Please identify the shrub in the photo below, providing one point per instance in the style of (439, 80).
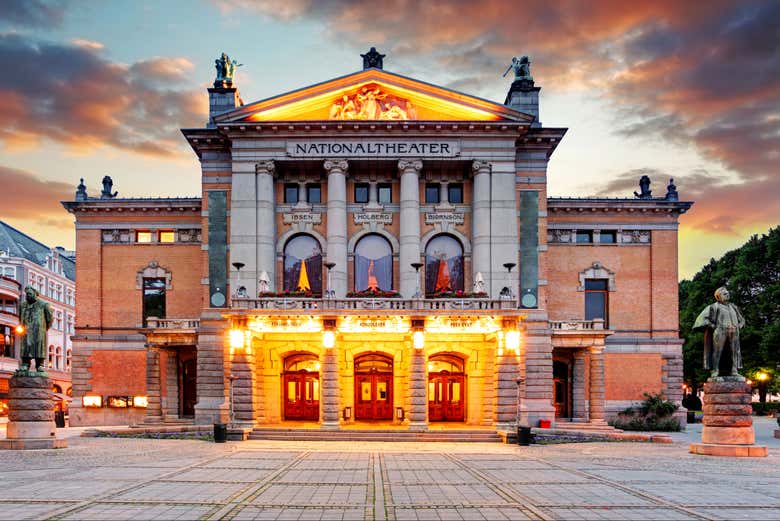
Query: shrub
(653, 414)
(657, 405)
(766, 408)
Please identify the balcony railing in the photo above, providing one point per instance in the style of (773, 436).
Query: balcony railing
(362, 303)
(172, 323)
(577, 325)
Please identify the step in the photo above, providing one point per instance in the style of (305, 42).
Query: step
(373, 435)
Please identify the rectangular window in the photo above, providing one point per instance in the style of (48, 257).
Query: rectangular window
(608, 237)
(291, 193)
(154, 298)
(361, 192)
(143, 237)
(455, 193)
(167, 236)
(584, 236)
(385, 193)
(58, 321)
(432, 193)
(596, 300)
(314, 194)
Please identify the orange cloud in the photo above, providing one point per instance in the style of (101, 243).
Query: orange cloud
(28, 197)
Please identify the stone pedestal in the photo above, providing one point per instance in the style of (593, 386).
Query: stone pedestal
(31, 415)
(728, 425)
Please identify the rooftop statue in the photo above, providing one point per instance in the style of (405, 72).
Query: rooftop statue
(36, 318)
(372, 59)
(522, 68)
(108, 184)
(721, 323)
(226, 70)
(671, 191)
(644, 188)
(81, 191)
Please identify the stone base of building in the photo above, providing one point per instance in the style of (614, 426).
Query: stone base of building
(733, 451)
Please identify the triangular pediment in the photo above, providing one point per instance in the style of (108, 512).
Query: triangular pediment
(373, 94)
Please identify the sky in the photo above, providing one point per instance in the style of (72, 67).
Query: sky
(668, 89)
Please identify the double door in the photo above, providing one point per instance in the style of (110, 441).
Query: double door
(374, 396)
(302, 396)
(446, 400)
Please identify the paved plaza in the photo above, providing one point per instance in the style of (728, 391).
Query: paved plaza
(105, 478)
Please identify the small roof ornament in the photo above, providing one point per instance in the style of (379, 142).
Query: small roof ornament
(81, 191)
(372, 59)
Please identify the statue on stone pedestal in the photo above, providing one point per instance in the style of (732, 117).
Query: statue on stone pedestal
(108, 185)
(644, 188)
(226, 70)
(721, 323)
(522, 67)
(81, 191)
(36, 319)
(671, 191)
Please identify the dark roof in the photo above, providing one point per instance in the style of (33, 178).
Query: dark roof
(19, 244)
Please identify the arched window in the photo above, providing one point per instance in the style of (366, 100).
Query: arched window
(443, 265)
(68, 355)
(303, 265)
(58, 358)
(373, 264)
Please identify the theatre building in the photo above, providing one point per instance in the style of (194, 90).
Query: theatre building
(374, 248)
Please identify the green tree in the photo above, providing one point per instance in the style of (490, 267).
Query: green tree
(752, 275)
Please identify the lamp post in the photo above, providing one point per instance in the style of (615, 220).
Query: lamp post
(329, 292)
(509, 266)
(417, 266)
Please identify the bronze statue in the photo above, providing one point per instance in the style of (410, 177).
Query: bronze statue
(226, 70)
(644, 188)
(108, 184)
(522, 68)
(721, 323)
(36, 319)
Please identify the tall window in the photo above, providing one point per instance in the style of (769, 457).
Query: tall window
(455, 193)
(303, 265)
(373, 264)
(7, 342)
(596, 300)
(385, 192)
(154, 298)
(443, 265)
(314, 193)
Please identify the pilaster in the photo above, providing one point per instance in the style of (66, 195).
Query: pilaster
(597, 384)
(480, 221)
(579, 396)
(266, 223)
(409, 236)
(212, 405)
(154, 413)
(244, 397)
(418, 391)
(506, 390)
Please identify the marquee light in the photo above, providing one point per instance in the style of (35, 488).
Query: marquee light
(236, 339)
(92, 401)
(512, 339)
(285, 325)
(418, 338)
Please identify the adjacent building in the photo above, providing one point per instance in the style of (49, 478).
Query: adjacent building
(24, 262)
(374, 248)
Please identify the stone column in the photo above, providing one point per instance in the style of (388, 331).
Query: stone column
(409, 171)
(266, 223)
(302, 196)
(480, 222)
(444, 194)
(330, 389)
(418, 391)
(337, 224)
(372, 194)
(579, 396)
(242, 369)
(170, 403)
(30, 415)
(506, 390)
(597, 385)
(153, 386)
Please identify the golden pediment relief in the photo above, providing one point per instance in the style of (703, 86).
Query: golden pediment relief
(371, 102)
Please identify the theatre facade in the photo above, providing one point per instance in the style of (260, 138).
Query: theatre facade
(373, 248)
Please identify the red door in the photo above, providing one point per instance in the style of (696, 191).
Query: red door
(373, 396)
(446, 397)
(302, 396)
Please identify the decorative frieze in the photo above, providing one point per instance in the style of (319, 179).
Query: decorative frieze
(569, 236)
(635, 237)
(189, 235)
(117, 236)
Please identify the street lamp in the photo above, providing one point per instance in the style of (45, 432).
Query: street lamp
(329, 293)
(417, 266)
(509, 294)
(241, 291)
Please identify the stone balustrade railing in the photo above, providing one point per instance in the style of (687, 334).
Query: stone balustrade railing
(577, 325)
(362, 303)
(172, 323)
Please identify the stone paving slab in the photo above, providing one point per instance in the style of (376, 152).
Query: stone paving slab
(115, 479)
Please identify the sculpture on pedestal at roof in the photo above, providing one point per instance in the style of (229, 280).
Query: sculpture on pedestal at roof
(226, 70)
(108, 185)
(522, 68)
(644, 188)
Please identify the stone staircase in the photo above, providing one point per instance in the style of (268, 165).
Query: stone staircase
(460, 435)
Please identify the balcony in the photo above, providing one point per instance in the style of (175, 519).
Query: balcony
(10, 288)
(577, 325)
(370, 304)
(173, 324)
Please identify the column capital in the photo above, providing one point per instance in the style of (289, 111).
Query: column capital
(406, 165)
(336, 166)
(265, 167)
(480, 167)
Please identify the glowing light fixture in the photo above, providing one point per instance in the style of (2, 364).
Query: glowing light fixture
(328, 339)
(762, 377)
(140, 401)
(418, 339)
(92, 401)
(19, 329)
(512, 339)
(236, 339)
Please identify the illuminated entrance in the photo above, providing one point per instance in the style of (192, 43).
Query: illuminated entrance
(373, 387)
(446, 389)
(301, 387)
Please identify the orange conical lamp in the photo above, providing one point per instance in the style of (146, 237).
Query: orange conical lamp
(373, 284)
(443, 277)
(303, 278)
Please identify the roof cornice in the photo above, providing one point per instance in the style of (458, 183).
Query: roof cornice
(616, 205)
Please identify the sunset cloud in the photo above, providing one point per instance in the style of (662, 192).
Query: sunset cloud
(34, 199)
(74, 96)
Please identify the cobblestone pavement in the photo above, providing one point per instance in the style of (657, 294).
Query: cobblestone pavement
(115, 479)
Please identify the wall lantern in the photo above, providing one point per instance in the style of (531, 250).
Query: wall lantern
(512, 339)
(399, 413)
(140, 401)
(92, 401)
(236, 339)
(418, 335)
(19, 329)
(328, 335)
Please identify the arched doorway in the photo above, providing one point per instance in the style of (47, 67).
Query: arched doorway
(373, 387)
(301, 387)
(446, 389)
